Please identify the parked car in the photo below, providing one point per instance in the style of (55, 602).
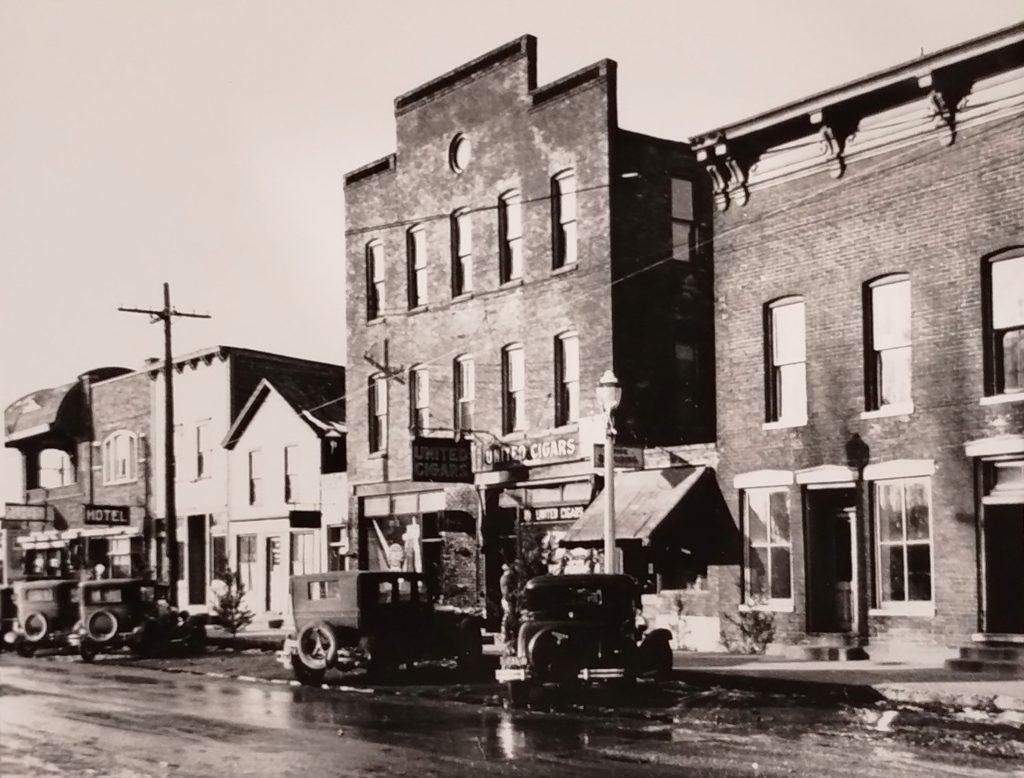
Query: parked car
(47, 610)
(384, 618)
(133, 613)
(8, 617)
(584, 627)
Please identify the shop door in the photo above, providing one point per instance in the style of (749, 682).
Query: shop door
(274, 571)
(1004, 569)
(197, 560)
(829, 547)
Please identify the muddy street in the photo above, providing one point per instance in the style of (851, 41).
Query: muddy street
(62, 718)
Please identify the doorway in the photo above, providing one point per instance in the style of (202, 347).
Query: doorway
(197, 560)
(830, 522)
(274, 601)
(1004, 568)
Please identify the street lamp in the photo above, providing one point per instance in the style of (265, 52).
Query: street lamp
(609, 393)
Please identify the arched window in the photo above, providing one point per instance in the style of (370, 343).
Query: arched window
(563, 219)
(567, 378)
(377, 408)
(416, 258)
(510, 236)
(120, 457)
(462, 253)
(375, 290)
(55, 468)
(464, 382)
(513, 389)
(419, 400)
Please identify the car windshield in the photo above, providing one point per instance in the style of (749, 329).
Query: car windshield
(579, 599)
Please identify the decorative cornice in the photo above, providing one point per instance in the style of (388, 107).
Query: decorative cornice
(947, 99)
(729, 166)
(835, 129)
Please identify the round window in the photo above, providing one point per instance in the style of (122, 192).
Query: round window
(459, 153)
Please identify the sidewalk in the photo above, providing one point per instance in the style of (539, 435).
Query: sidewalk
(861, 681)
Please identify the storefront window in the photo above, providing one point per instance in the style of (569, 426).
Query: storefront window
(303, 554)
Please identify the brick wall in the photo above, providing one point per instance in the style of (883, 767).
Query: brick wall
(122, 404)
(926, 210)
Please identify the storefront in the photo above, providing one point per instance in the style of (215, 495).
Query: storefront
(90, 552)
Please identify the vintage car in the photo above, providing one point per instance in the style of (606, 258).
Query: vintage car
(383, 618)
(8, 617)
(584, 627)
(47, 610)
(133, 613)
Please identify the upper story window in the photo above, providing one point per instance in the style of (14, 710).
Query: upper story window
(767, 564)
(563, 219)
(56, 469)
(255, 477)
(567, 378)
(787, 362)
(179, 449)
(120, 457)
(464, 389)
(204, 450)
(513, 386)
(419, 400)
(416, 248)
(377, 397)
(462, 253)
(460, 152)
(888, 349)
(683, 232)
(510, 236)
(1005, 329)
(375, 286)
(291, 474)
(903, 528)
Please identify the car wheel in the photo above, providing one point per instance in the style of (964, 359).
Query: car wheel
(24, 647)
(317, 646)
(307, 676)
(36, 626)
(149, 644)
(661, 661)
(517, 693)
(381, 656)
(196, 640)
(87, 651)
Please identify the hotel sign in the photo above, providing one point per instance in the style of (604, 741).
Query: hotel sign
(438, 460)
(17, 512)
(564, 447)
(108, 515)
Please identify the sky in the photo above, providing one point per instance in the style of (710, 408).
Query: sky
(204, 142)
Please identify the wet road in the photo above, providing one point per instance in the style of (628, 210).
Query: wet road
(74, 719)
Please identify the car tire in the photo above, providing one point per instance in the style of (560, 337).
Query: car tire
(317, 646)
(517, 694)
(106, 634)
(149, 642)
(36, 626)
(87, 651)
(381, 656)
(307, 676)
(25, 648)
(195, 643)
(658, 659)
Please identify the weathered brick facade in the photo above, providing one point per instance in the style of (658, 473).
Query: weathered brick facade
(906, 204)
(626, 297)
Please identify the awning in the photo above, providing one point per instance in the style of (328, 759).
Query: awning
(59, 539)
(644, 499)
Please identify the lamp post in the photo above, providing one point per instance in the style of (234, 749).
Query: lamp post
(609, 393)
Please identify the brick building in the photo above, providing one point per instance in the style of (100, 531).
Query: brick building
(517, 245)
(85, 463)
(870, 349)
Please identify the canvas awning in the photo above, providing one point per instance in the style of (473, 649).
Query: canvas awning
(644, 499)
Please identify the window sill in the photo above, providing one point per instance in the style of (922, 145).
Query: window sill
(1002, 399)
(559, 271)
(377, 455)
(784, 424)
(772, 606)
(512, 283)
(378, 320)
(419, 309)
(919, 609)
(903, 409)
(116, 483)
(569, 426)
(462, 297)
(515, 435)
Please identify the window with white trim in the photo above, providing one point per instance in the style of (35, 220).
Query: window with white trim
(255, 477)
(768, 577)
(303, 553)
(204, 450)
(464, 390)
(419, 400)
(377, 408)
(291, 474)
(1005, 330)
(376, 294)
(567, 378)
(787, 357)
(904, 548)
(889, 345)
(513, 385)
(120, 457)
(563, 219)
(247, 561)
(416, 247)
(462, 253)
(56, 469)
(510, 236)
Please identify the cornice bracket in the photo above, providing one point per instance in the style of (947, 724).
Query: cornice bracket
(947, 99)
(729, 168)
(835, 129)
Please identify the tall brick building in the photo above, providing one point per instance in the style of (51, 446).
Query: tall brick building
(517, 245)
(870, 353)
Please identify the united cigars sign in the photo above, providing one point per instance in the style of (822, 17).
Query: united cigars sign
(108, 515)
(563, 447)
(441, 461)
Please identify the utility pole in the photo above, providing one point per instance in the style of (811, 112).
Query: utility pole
(166, 314)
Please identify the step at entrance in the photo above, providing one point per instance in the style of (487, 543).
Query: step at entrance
(827, 647)
(1002, 654)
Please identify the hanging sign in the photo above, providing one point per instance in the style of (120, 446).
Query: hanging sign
(108, 515)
